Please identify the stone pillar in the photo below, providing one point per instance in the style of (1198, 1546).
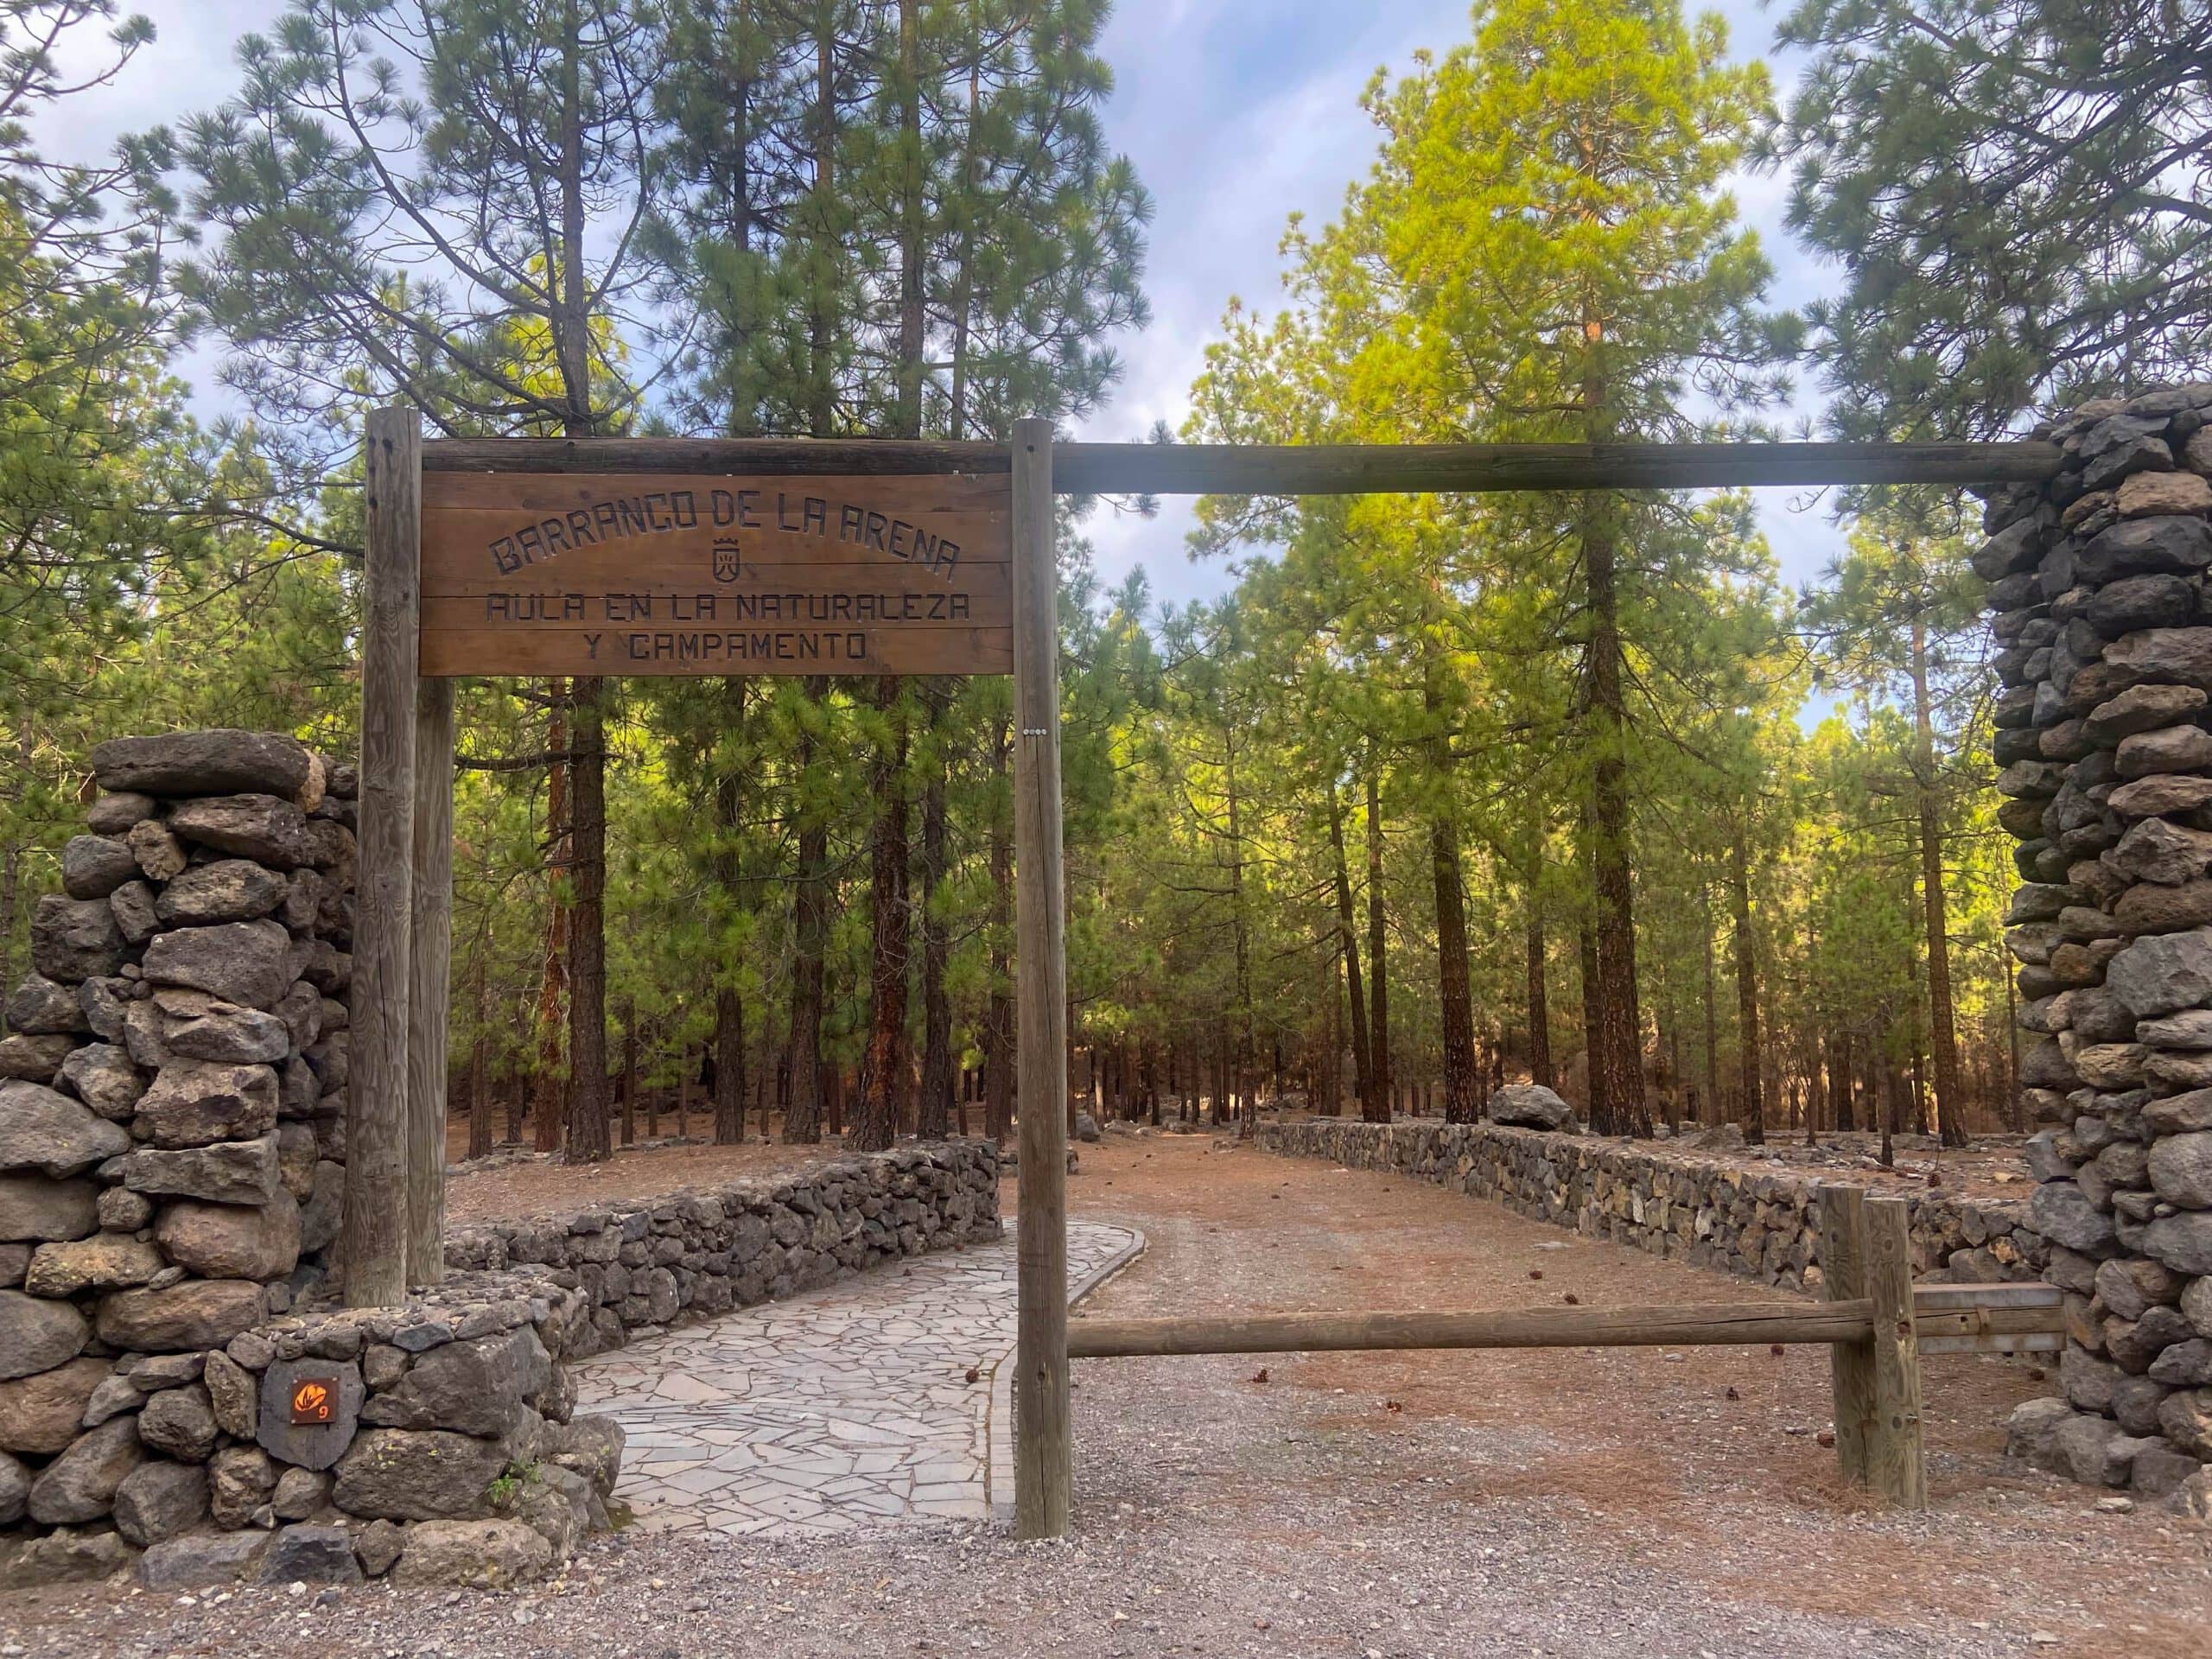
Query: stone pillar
(171, 1141)
(2104, 626)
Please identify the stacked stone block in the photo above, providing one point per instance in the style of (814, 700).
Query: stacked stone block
(2098, 587)
(644, 1266)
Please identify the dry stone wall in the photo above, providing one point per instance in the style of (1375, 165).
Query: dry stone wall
(646, 1265)
(2098, 596)
(1665, 1201)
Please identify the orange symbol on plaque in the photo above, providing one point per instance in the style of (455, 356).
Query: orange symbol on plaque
(311, 1402)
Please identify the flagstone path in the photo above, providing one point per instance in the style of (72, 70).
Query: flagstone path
(847, 1407)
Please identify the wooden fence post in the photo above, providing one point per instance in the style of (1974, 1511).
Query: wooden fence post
(430, 961)
(1044, 1455)
(374, 1240)
(1897, 1467)
(1843, 1271)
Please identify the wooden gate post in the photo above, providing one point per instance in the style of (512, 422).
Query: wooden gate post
(1896, 1466)
(1843, 1271)
(429, 981)
(1866, 1252)
(374, 1240)
(1043, 1454)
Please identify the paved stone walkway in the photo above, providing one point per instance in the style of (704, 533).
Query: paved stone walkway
(846, 1406)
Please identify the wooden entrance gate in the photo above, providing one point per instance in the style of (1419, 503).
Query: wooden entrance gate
(623, 556)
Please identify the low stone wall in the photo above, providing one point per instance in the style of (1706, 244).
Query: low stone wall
(442, 1449)
(642, 1266)
(1670, 1203)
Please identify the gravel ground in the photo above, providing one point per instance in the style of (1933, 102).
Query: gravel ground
(1553, 1503)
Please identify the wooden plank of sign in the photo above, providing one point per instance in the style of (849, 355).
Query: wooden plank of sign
(659, 574)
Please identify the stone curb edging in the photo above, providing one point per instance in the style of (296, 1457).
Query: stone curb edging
(998, 1465)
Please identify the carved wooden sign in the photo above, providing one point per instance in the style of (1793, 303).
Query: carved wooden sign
(623, 574)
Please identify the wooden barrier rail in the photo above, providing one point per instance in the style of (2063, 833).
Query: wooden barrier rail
(1875, 1322)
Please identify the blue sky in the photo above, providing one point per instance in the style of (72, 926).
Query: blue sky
(1236, 114)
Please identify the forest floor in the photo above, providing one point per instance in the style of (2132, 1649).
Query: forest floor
(1631, 1502)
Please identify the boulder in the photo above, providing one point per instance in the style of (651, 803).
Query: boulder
(2181, 1170)
(67, 1556)
(2148, 907)
(114, 814)
(159, 1499)
(104, 1262)
(2142, 708)
(478, 1554)
(101, 1076)
(232, 1172)
(377, 1546)
(234, 1392)
(247, 962)
(15, 1488)
(225, 1032)
(1531, 1106)
(1086, 1127)
(179, 1421)
(219, 761)
(275, 832)
(310, 1555)
(198, 1314)
(135, 917)
(2062, 1213)
(42, 1129)
(590, 1446)
(34, 1209)
(122, 1210)
(2182, 1242)
(33, 1059)
(2171, 748)
(2131, 1287)
(240, 1480)
(80, 1483)
(43, 1413)
(198, 1103)
(74, 939)
(473, 1387)
(105, 1002)
(2030, 1433)
(199, 1559)
(407, 1474)
(228, 890)
(300, 1493)
(325, 1208)
(36, 1334)
(2163, 973)
(161, 856)
(40, 1007)
(2141, 546)
(2147, 495)
(228, 1241)
(92, 867)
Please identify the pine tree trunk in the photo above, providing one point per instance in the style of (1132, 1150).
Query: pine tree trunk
(810, 943)
(729, 1010)
(1585, 943)
(1540, 1013)
(1711, 1021)
(1941, 1029)
(630, 1072)
(588, 1140)
(479, 1090)
(1378, 1108)
(549, 1108)
(1751, 1076)
(882, 1106)
(934, 1117)
(1348, 948)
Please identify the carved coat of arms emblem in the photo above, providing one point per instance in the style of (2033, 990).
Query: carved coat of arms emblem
(726, 558)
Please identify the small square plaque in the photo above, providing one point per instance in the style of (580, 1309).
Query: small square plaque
(315, 1399)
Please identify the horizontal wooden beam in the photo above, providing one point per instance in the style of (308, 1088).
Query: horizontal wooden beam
(1259, 469)
(1375, 469)
(1724, 1323)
